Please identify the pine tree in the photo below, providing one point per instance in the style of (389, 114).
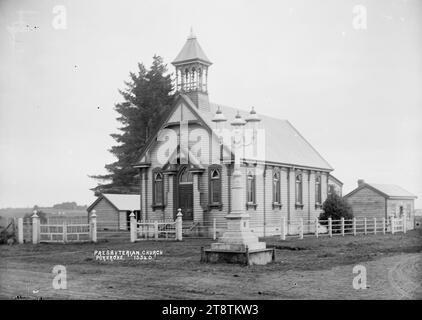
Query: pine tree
(147, 98)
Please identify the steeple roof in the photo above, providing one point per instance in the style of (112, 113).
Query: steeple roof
(191, 52)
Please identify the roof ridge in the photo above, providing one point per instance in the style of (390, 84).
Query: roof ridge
(247, 111)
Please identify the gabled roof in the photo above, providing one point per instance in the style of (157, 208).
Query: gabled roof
(121, 202)
(191, 51)
(388, 191)
(283, 143)
(392, 190)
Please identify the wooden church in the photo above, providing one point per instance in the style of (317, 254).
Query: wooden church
(189, 160)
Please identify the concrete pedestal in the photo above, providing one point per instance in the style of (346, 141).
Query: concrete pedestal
(238, 245)
(245, 257)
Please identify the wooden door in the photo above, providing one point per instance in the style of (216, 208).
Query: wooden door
(186, 201)
(185, 193)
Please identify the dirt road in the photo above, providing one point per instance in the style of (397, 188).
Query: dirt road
(302, 270)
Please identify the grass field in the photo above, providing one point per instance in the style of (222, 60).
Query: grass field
(304, 269)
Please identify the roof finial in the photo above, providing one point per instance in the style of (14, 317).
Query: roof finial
(253, 117)
(191, 35)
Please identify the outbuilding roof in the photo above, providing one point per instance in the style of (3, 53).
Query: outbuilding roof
(389, 191)
(392, 190)
(122, 202)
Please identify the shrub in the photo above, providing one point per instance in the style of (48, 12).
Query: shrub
(335, 207)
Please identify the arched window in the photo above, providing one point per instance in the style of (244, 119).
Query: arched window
(158, 189)
(250, 189)
(299, 189)
(185, 176)
(276, 188)
(214, 186)
(318, 196)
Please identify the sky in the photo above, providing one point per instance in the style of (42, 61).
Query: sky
(350, 85)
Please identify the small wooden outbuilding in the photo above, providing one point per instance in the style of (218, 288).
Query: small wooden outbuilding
(382, 201)
(113, 210)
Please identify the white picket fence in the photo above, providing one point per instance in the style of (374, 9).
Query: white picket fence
(156, 230)
(357, 226)
(64, 232)
(59, 231)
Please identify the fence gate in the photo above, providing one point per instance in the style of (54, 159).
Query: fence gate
(157, 230)
(75, 229)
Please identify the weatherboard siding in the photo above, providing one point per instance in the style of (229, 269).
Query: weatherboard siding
(107, 215)
(393, 208)
(367, 203)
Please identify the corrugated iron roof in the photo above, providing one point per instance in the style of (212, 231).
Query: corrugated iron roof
(191, 51)
(124, 202)
(283, 143)
(392, 190)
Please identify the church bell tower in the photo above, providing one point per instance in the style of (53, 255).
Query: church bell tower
(192, 73)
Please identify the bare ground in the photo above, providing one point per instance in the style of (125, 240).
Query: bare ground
(304, 269)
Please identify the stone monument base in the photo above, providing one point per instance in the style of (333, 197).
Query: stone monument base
(236, 254)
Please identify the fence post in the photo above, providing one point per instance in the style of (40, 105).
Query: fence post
(354, 226)
(283, 229)
(330, 227)
(35, 228)
(316, 227)
(404, 224)
(156, 229)
(392, 225)
(375, 225)
(179, 225)
(20, 230)
(342, 226)
(300, 228)
(383, 225)
(133, 227)
(364, 226)
(93, 226)
(214, 229)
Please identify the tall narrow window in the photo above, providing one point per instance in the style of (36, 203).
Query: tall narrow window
(276, 188)
(250, 188)
(318, 190)
(158, 189)
(299, 190)
(215, 187)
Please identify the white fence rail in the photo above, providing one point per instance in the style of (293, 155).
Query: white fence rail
(329, 228)
(156, 230)
(58, 231)
(64, 232)
(210, 229)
